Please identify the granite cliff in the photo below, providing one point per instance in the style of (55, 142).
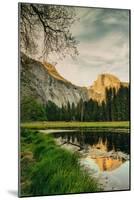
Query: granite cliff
(44, 83)
(104, 81)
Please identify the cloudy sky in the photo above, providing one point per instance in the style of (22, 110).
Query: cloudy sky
(103, 36)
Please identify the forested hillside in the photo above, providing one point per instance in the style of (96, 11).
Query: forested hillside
(115, 108)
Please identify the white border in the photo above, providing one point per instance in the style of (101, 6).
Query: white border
(9, 97)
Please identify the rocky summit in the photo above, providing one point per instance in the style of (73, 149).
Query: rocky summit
(104, 81)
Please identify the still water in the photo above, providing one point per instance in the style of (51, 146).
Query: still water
(104, 154)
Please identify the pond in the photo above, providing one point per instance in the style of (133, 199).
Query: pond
(104, 154)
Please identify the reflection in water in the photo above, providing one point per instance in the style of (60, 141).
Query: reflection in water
(101, 145)
(108, 164)
(105, 141)
(105, 153)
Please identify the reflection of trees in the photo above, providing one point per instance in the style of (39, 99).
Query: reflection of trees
(112, 141)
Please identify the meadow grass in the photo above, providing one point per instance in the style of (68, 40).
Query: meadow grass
(63, 124)
(48, 169)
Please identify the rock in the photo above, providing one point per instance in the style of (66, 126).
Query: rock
(98, 90)
(43, 83)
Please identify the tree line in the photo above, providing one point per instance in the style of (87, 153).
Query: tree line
(115, 108)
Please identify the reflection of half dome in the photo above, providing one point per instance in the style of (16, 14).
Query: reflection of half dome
(108, 164)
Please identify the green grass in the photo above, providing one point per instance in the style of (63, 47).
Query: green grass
(61, 124)
(47, 169)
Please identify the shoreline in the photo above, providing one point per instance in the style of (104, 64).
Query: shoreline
(59, 165)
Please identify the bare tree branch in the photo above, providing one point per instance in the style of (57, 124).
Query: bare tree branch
(54, 22)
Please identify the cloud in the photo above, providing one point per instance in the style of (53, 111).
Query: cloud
(103, 46)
